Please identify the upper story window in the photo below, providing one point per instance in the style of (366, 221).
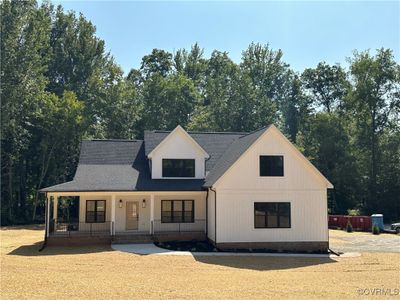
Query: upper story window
(178, 168)
(271, 165)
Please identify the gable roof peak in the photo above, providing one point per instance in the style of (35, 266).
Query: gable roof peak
(258, 130)
(187, 135)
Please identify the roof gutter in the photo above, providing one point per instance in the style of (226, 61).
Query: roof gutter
(207, 214)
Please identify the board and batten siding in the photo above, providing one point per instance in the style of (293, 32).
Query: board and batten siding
(241, 186)
(177, 146)
(235, 217)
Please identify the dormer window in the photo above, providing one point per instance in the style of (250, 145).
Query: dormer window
(178, 167)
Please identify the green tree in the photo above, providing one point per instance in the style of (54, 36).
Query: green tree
(24, 56)
(56, 126)
(167, 101)
(295, 107)
(120, 113)
(388, 180)
(229, 98)
(158, 62)
(326, 143)
(76, 53)
(191, 63)
(268, 74)
(375, 103)
(326, 85)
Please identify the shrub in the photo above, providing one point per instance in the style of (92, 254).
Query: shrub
(375, 229)
(353, 212)
(349, 227)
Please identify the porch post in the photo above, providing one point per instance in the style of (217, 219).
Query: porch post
(112, 227)
(55, 209)
(151, 213)
(48, 215)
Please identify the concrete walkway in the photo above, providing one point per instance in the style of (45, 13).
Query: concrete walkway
(151, 249)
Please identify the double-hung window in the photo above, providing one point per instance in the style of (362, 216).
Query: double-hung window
(95, 211)
(272, 215)
(177, 211)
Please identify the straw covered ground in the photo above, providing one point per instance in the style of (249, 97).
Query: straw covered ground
(99, 272)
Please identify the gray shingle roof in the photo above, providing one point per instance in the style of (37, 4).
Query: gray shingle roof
(105, 165)
(109, 152)
(232, 154)
(214, 143)
(121, 165)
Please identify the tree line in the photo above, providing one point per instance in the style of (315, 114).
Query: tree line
(59, 85)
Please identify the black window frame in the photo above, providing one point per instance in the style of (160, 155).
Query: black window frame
(270, 171)
(179, 171)
(278, 210)
(173, 218)
(96, 218)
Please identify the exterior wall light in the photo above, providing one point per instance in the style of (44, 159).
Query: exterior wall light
(120, 203)
(144, 203)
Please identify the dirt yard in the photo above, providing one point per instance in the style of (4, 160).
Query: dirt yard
(99, 272)
(340, 240)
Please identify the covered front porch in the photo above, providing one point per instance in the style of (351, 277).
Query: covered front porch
(124, 215)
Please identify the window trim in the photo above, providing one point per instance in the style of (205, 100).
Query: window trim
(172, 177)
(271, 176)
(182, 211)
(278, 215)
(95, 211)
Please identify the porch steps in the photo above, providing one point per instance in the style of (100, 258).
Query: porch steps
(132, 239)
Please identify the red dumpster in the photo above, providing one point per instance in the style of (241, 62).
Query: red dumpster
(361, 223)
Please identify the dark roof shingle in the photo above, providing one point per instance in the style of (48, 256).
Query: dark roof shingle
(122, 165)
(232, 154)
(214, 143)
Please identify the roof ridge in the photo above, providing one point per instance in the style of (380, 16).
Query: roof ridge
(110, 140)
(218, 132)
(202, 132)
(257, 130)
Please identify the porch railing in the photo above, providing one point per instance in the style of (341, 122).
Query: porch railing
(196, 226)
(81, 228)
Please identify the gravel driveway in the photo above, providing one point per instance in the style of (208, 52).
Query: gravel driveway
(363, 242)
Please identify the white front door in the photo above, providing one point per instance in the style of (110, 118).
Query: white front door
(132, 215)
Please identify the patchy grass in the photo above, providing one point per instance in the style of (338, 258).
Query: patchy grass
(99, 272)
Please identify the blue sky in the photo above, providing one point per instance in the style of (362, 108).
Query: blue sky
(307, 32)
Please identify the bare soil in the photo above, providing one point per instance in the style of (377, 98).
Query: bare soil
(99, 272)
(340, 240)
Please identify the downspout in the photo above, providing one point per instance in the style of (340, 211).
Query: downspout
(215, 215)
(45, 224)
(207, 214)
